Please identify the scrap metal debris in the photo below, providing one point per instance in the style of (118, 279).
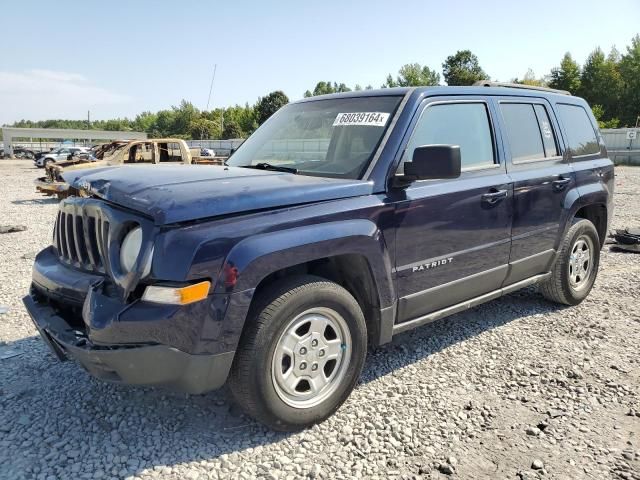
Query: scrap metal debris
(12, 228)
(626, 240)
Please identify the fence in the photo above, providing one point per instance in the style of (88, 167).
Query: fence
(221, 147)
(623, 145)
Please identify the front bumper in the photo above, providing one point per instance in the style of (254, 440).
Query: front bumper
(142, 364)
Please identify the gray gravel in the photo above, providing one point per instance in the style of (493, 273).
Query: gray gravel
(517, 388)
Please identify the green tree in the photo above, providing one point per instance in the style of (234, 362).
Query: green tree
(530, 79)
(567, 76)
(413, 75)
(269, 105)
(601, 83)
(462, 68)
(630, 75)
(326, 88)
(185, 115)
(164, 123)
(232, 130)
(598, 112)
(202, 128)
(145, 122)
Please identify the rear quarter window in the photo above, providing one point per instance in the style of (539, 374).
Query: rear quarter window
(529, 131)
(581, 135)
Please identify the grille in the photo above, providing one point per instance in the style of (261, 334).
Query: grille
(81, 240)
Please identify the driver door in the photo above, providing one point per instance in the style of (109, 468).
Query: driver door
(453, 236)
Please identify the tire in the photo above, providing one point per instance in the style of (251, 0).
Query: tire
(276, 346)
(575, 269)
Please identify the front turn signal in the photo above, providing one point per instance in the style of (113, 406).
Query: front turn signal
(177, 296)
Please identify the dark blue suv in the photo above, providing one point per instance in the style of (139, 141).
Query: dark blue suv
(343, 220)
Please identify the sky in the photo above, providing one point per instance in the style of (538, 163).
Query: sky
(118, 58)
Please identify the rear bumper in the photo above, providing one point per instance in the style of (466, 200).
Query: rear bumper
(145, 364)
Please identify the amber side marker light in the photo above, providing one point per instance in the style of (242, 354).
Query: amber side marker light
(177, 296)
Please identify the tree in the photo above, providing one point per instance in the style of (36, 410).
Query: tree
(325, 88)
(232, 130)
(630, 76)
(530, 79)
(202, 129)
(269, 105)
(413, 75)
(567, 76)
(601, 83)
(462, 68)
(598, 112)
(145, 122)
(185, 115)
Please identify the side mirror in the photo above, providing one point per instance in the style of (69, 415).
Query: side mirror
(431, 162)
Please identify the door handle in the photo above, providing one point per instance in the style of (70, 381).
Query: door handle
(494, 196)
(560, 184)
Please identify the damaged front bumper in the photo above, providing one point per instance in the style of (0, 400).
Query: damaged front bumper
(136, 364)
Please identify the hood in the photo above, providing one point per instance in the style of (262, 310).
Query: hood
(179, 193)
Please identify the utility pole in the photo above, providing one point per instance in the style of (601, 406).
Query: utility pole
(213, 77)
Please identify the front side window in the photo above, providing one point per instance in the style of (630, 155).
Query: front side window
(331, 138)
(582, 136)
(463, 124)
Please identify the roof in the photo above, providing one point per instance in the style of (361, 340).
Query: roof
(446, 90)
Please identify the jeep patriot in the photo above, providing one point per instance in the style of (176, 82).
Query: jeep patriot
(342, 221)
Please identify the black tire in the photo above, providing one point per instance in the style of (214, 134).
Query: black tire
(559, 288)
(252, 382)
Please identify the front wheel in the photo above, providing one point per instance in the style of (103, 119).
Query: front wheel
(576, 265)
(301, 355)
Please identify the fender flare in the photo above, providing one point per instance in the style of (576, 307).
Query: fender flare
(256, 257)
(579, 197)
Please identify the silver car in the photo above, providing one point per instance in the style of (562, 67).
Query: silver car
(58, 155)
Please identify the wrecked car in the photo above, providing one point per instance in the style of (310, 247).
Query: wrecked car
(156, 151)
(343, 221)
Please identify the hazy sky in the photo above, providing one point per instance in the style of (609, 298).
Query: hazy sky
(117, 58)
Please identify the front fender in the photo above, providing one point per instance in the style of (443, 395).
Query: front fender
(253, 259)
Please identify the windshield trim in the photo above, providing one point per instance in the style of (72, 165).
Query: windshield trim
(383, 141)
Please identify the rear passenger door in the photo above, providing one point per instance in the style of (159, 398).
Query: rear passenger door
(541, 176)
(453, 236)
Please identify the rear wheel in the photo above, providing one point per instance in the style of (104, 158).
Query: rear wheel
(576, 266)
(301, 355)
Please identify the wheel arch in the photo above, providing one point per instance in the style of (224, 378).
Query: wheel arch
(352, 254)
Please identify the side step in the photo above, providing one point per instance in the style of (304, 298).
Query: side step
(467, 304)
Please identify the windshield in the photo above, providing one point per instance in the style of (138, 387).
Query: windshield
(331, 138)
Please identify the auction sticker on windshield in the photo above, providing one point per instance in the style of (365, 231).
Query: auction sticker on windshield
(367, 119)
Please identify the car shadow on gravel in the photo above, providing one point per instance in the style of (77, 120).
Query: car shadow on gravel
(415, 345)
(43, 398)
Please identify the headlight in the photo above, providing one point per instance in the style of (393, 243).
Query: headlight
(130, 249)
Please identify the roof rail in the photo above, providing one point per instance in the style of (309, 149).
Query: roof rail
(487, 83)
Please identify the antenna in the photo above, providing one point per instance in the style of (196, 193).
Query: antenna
(213, 77)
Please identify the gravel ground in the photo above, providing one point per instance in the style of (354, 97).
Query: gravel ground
(517, 388)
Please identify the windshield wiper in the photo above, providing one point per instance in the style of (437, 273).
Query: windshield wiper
(269, 166)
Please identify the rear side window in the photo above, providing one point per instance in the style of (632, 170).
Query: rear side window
(463, 124)
(523, 131)
(529, 131)
(582, 136)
